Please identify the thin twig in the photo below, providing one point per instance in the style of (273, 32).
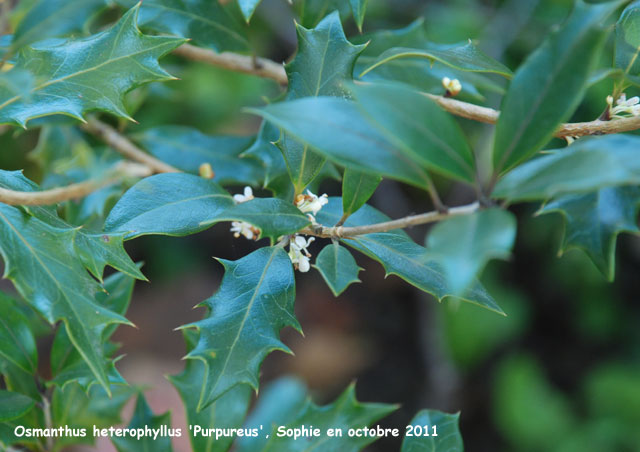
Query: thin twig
(270, 69)
(401, 223)
(125, 147)
(121, 171)
(232, 61)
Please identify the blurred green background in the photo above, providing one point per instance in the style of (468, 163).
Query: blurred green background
(560, 373)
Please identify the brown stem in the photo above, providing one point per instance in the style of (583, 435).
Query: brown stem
(55, 195)
(125, 147)
(412, 220)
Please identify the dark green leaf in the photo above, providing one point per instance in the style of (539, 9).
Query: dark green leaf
(71, 406)
(594, 220)
(419, 127)
(463, 56)
(627, 47)
(95, 250)
(401, 256)
(186, 148)
(548, 87)
(324, 61)
(92, 73)
(17, 344)
(143, 418)
(66, 363)
(337, 128)
(586, 166)
(279, 403)
(50, 18)
(41, 261)
(17, 82)
(338, 268)
(448, 437)
(248, 7)
(358, 8)
(313, 11)
(419, 73)
(208, 23)
(273, 217)
(14, 405)
(344, 413)
(227, 412)
(254, 302)
(463, 245)
(170, 204)
(357, 188)
(271, 157)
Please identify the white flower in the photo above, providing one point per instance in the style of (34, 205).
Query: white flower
(624, 107)
(311, 203)
(453, 87)
(242, 228)
(298, 252)
(247, 196)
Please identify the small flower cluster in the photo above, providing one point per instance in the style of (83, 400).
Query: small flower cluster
(624, 107)
(453, 87)
(298, 253)
(241, 227)
(311, 204)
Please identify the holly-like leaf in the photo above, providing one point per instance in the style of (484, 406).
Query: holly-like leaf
(428, 422)
(357, 188)
(588, 165)
(463, 245)
(42, 263)
(548, 87)
(17, 344)
(312, 12)
(186, 148)
(93, 73)
(71, 406)
(338, 129)
(49, 18)
(14, 405)
(344, 413)
(272, 216)
(143, 418)
(338, 268)
(627, 47)
(172, 204)
(254, 302)
(66, 363)
(463, 56)
(419, 127)
(324, 61)
(358, 8)
(401, 256)
(594, 220)
(207, 23)
(279, 403)
(228, 411)
(419, 73)
(248, 7)
(95, 250)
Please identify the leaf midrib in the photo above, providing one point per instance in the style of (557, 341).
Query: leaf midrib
(60, 289)
(82, 72)
(241, 327)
